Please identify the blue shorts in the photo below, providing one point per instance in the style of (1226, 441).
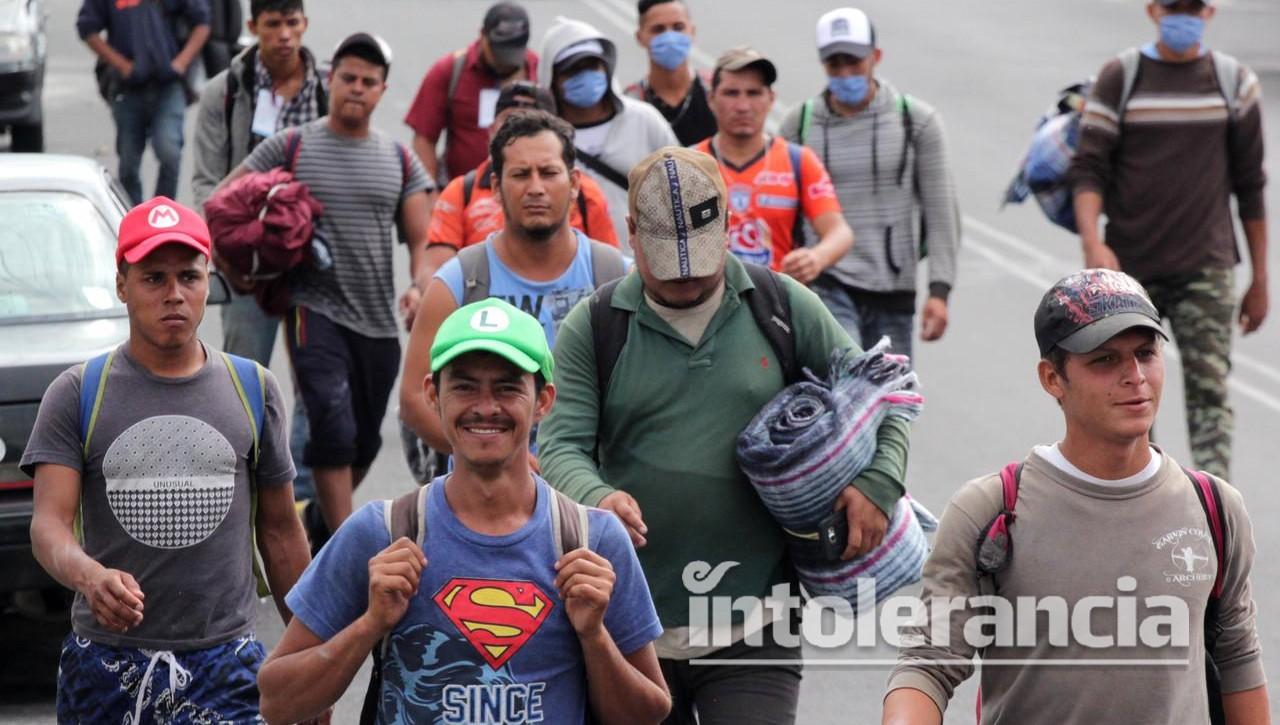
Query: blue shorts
(101, 684)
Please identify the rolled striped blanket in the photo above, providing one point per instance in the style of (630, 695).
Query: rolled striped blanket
(811, 441)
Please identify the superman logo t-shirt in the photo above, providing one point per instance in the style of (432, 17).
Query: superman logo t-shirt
(486, 639)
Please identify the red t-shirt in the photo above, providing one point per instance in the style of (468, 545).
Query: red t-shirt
(431, 112)
(764, 199)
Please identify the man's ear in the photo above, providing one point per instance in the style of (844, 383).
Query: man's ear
(575, 182)
(1051, 380)
(120, 294)
(546, 399)
(429, 390)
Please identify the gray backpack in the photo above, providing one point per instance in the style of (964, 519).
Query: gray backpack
(606, 264)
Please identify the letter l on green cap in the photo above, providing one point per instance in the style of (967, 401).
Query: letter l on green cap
(497, 327)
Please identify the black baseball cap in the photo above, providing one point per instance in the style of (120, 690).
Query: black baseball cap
(381, 52)
(1085, 309)
(523, 94)
(506, 27)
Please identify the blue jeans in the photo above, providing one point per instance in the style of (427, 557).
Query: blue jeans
(250, 332)
(156, 111)
(865, 321)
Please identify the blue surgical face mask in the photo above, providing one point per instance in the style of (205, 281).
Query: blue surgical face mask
(585, 89)
(1180, 32)
(849, 90)
(670, 49)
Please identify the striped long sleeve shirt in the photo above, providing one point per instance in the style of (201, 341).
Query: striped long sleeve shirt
(1168, 163)
(898, 200)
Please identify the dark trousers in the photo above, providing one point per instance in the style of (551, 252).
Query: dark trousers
(730, 694)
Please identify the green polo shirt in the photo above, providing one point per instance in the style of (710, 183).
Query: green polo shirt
(667, 433)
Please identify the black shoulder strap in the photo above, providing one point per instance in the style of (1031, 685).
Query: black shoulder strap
(607, 263)
(596, 164)
(582, 213)
(475, 273)
(771, 309)
(609, 328)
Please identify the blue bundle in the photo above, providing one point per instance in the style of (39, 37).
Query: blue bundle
(812, 440)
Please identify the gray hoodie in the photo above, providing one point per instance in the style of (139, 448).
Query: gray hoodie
(221, 146)
(897, 210)
(637, 129)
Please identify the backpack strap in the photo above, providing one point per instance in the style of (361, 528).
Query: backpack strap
(995, 544)
(771, 308)
(1129, 61)
(250, 382)
(607, 263)
(609, 329)
(455, 74)
(806, 120)
(475, 273)
(405, 517)
(228, 110)
(582, 214)
(292, 147)
(569, 519)
(908, 135)
(469, 188)
(1211, 502)
(92, 387)
(1227, 69)
(795, 154)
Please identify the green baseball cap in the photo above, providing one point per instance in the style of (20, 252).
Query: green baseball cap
(494, 326)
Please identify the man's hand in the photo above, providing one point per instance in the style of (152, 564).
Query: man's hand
(933, 322)
(409, 302)
(1253, 308)
(240, 283)
(625, 508)
(1099, 256)
(867, 523)
(393, 581)
(802, 264)
(126, 68)
(585, 582)
(178, 66)
(115, 599)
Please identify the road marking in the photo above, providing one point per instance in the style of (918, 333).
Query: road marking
(618, 17)
(818, 661)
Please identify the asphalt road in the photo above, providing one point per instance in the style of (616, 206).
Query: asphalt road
(990, 68)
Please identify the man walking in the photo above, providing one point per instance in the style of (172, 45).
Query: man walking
(658, 373)
(142, 67)
(468, 211)
(273, 85)
(1159, 556)
(1170, 132)
(149, 463)
(887, 157)
(458, 94)
(611, 132)
(774, 186)
(537, 261)
(342, 332)
(528, 608)
(672, 85)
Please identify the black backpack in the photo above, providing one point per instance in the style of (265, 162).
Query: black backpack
(768, 302)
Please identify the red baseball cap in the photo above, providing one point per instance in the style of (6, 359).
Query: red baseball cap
(156, 222)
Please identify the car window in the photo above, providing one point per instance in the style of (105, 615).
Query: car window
(57, 259)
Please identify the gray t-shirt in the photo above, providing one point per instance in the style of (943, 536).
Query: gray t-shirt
(361, 183)
(165, 494)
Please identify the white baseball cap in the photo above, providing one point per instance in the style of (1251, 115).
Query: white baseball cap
(677, 200)
(845, 30)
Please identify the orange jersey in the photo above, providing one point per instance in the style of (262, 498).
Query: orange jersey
(765, 199)
(461, 222)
